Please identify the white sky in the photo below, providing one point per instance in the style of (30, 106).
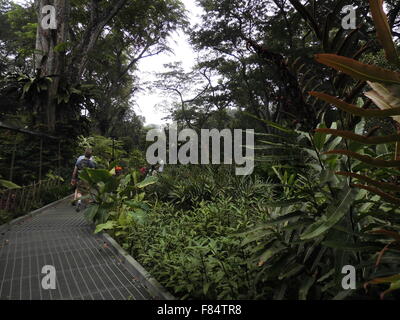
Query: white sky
(147, 101)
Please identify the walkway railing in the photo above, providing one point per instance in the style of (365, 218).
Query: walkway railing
(24, 199)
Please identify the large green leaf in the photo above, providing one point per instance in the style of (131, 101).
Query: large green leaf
(350, 108)
(334, 214)
(359, 70)
(366, 159)
(91, 212)
(305, 287)
(8, 184)
(394, 282)
(98, 175)
(290, 271)
(146, 182)
(272, 124)
(320, 137)
(287, 217)
(382, 185)
(274, 249)
(388, 197)
(362, 139)
(256, 235)
(102, 215)
(105, 226)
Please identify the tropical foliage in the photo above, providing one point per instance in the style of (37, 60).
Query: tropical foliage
(325, 105)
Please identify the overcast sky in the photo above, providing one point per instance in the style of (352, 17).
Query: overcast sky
(147, 101)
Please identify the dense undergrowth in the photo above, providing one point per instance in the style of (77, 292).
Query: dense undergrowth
(244, 237)
(191, 240)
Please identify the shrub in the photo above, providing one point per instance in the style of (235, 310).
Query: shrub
(196, 253)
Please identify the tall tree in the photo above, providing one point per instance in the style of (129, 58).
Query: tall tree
(138, 29)
(50, 58)
(266, 78)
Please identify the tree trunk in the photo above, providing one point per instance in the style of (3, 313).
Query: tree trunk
(397, 153)
(50, 59)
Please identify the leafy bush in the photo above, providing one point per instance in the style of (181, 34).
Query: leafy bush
(374, 168)
(136, 159)
(102, 148)
(196, 253)
(113, 194)
(187, 186)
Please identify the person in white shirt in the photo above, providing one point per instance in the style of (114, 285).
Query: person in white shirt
(82, 157)
(161, 166)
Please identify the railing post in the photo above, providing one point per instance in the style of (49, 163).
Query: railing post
(8, 200)
(2, 200)
(21, 200)
(26, 199)
(40, 158)
(13, 160)
(34, 193)
(59, 157)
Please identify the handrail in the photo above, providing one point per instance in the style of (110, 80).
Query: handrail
(26, 131)
(42, 136)
(20, 200)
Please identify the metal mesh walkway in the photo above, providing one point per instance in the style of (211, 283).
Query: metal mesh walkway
(86, 267)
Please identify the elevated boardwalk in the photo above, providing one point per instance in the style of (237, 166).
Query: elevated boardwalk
(86, 267)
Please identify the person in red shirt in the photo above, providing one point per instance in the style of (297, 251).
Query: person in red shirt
(118, 170)
(143, 171)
